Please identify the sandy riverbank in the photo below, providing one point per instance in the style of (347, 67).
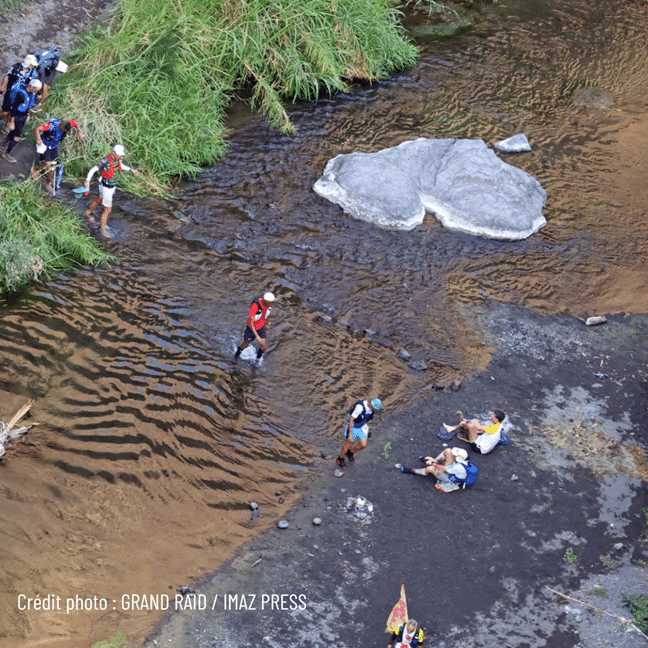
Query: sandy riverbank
(476, 564)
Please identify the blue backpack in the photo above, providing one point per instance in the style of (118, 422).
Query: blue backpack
(47, 59)
(471, 475)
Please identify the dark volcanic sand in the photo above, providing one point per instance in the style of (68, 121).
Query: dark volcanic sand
(476, 564)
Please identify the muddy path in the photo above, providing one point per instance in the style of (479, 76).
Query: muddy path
(476, 564)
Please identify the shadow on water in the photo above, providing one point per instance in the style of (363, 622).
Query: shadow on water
(156, 440)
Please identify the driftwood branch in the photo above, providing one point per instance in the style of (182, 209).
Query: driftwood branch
(626, 622)
(18, 415)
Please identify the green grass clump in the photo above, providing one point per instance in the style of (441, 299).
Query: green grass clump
(160, 81)
(118, 640)
(6, 6)
(638, 606)
(38, 235)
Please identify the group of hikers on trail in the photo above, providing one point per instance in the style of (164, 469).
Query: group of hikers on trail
(25, 87)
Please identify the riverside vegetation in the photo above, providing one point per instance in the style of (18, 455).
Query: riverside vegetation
(160, 81)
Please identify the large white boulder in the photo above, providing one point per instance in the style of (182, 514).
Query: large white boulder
(462, 182)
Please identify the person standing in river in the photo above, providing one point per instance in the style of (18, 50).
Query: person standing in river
(357, 429)
(258, 323)
(109, 168)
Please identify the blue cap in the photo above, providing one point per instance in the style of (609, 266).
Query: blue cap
(376, 403)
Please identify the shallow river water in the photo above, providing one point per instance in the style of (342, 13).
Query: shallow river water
(155, 440)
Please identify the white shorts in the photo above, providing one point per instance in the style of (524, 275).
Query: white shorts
(106, 194)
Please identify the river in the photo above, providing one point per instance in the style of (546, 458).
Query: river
(154, 439)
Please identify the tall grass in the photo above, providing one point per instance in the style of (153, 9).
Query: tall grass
(38, 235)
(160, 76)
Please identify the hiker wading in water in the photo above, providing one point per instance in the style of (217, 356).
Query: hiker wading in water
(109, 168)
(258, 323)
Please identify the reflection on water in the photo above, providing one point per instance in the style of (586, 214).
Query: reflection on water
(155, 440)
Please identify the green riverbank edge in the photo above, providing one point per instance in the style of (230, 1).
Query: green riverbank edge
(160, 83)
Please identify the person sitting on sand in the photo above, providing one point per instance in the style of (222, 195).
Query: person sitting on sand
(482, 438)
(452, 466)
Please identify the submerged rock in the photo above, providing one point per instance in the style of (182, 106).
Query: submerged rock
(462, 182)
(592, 98)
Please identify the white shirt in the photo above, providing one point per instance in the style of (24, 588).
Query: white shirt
(407, 639)
(486, 442)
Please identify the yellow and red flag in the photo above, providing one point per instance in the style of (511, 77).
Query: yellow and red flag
(399, 612)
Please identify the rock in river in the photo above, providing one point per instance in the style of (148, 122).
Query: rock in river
(462, 182)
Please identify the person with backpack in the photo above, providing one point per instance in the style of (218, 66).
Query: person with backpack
(22, 72)
(357, 429)
(258, 323)
(451, 468)
(22, 98)
(49, 136)
(47, 69)
(109, 169)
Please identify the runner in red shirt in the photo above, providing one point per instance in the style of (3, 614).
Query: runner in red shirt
(258, 323)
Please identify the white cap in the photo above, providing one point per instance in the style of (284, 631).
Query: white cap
(30, 59)
(460, 454)
(35, 83)
(268, 297)
(118, 149)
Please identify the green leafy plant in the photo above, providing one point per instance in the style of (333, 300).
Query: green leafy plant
(386, 449)
(608, 561)
(570, 556)
(638, 606)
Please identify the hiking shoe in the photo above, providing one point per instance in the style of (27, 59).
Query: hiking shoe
(350, 457)
(407, 471)
(340, 462)
(9, 158)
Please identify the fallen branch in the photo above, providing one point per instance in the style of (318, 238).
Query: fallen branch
(626, 622)
(5, 428)
(18, 415)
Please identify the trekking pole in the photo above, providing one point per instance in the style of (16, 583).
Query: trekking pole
(58, 176)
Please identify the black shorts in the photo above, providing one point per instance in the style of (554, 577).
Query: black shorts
(19, 125)
(6, 102)
(249, 333)
(50, 155)
(48, 77)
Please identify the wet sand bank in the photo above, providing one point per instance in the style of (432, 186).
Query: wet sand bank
(476, 564)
